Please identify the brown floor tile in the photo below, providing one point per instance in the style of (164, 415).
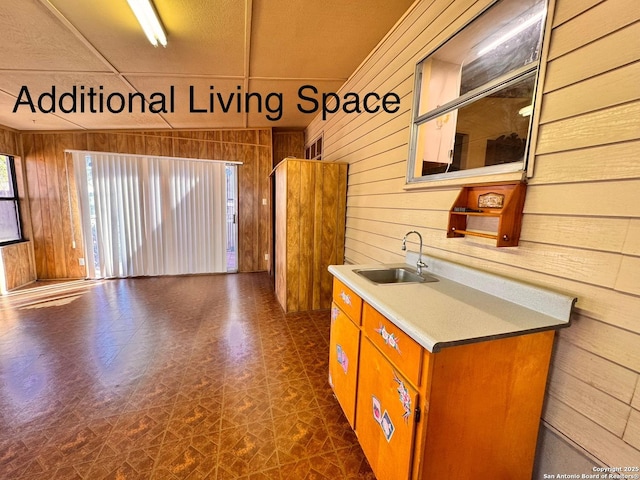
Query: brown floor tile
(326, 466)
(137, 463)
(198, 377)
(355, 464)
(191, 458)
(300, 435)
(245, 406)
(246, 449)
(77, 445)
(290, 396)
(137, 430)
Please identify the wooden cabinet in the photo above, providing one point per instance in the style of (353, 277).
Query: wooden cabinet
(467, 411)
(310, 204)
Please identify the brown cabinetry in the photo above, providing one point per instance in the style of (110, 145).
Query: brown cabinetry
(310, 203)
(466, 411)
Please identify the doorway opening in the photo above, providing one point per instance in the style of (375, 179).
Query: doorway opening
(232, 218)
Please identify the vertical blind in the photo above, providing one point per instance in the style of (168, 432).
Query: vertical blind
(144, 216)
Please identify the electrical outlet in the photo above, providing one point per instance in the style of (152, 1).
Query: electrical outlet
(264, 201)
(266, 256)
(81, 261)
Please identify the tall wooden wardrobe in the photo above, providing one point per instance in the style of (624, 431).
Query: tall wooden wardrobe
(310, 206)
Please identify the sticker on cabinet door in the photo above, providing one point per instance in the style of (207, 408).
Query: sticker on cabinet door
(342, 358)
(405, 398)
(334, 314)
(387, 426)
(377, 409)
(382, 419)
(389, 338)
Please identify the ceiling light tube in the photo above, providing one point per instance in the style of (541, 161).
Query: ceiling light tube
(511, 33)
(146, 15)
(526, 111)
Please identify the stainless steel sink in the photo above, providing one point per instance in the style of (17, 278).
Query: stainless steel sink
(393, 275)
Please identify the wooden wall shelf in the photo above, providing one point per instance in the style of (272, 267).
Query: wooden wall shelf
(504, 201)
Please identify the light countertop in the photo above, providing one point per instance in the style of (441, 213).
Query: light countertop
(464, 306)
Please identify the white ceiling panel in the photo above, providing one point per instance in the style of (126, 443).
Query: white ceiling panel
(307, 39)
(197, 102)
(96, 94)
(24, 120)
(260, 46)
(290, 114)
(204, 37)
(34, 39)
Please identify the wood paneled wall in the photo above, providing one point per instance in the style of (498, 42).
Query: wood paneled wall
(18, 268)
(54, 212)
(581, 228)
(9, 141)
(287, 144)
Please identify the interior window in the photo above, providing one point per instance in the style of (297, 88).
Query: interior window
(474, 95)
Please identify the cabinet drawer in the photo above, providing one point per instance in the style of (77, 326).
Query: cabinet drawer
(349, 302)
(403, 351)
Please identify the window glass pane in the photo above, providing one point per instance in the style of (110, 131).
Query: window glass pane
(492, 130)
(9, 229)
(504, 39)
(6, 182)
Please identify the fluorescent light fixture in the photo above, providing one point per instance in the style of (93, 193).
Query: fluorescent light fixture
(146, 15)
(511, 33)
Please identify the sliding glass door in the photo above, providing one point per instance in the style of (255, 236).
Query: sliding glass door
(146, 215)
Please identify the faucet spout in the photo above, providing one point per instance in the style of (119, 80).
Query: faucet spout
(419, 264)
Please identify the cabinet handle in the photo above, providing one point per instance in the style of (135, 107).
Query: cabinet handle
(345, 298)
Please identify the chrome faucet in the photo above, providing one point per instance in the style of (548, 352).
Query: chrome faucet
(419, 264)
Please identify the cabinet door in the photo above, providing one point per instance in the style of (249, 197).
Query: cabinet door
(343, 361)
(385, 415)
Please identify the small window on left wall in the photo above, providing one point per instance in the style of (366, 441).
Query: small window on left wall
(10, 222)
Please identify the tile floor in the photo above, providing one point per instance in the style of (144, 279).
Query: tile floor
(168, 378)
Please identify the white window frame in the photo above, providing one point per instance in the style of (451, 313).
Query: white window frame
(531, 69)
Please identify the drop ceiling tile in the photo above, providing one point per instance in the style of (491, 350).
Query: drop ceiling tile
(288, 111)
(199, 102)
(63, 43)
(34, 39)
(30, 121)
(20, 88)
(326, 39)
(203, 36)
